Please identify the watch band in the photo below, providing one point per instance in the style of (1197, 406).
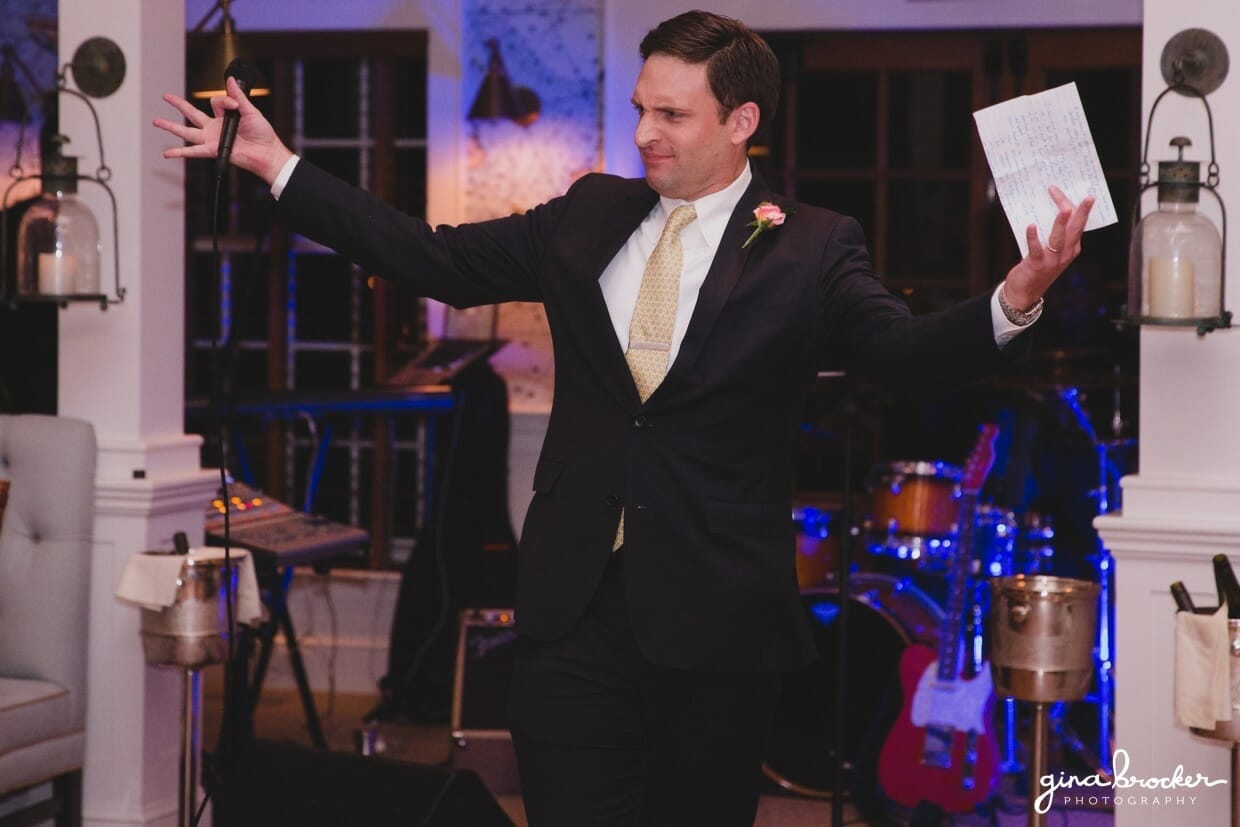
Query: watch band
(1020, 318)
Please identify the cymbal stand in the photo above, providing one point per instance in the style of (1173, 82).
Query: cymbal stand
(1104, 564)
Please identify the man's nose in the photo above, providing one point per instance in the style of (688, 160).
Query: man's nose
(643, 133)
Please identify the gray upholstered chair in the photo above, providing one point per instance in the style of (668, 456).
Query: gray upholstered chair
(45, 551)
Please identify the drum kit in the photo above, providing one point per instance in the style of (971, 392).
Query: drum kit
(897, 598)
(903, 552)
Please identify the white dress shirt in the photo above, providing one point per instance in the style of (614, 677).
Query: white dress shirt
(622, 279)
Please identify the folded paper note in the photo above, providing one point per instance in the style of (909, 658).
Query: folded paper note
(1033, 141)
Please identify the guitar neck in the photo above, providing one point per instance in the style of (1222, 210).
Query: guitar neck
(950, 633)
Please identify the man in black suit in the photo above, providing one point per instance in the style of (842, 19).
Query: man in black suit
(657, 597)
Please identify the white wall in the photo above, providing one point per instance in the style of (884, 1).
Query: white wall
(1184, 505)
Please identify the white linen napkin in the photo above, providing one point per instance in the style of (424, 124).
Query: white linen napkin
(1203, 686)
(150, 580)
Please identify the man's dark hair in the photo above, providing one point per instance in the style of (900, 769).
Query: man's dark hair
(740, 66)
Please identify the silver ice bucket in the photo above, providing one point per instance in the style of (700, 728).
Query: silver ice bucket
(193, 631)
(1042, 633)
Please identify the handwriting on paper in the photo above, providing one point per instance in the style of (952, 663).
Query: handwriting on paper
(1034, 141)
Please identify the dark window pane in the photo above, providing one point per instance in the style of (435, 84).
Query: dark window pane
(405, 514)
(854, 198)
(249, 302)
(344, 163)
(251, 370)
(319, 370)
(930, 298)
(331, 98)
(835, 124)
(331, 494)
(198, 375)
(931, 120)
(928, 222)
(323, 298)
(203, 297)
(409, 190)
(366, 312)
(255, 206)
(410, 78)
(1110, 97)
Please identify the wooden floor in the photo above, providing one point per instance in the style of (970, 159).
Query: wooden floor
(280, 717)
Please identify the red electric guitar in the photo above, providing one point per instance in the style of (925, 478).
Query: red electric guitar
(941, 748)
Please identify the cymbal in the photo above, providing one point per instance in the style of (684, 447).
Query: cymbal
(1083, 368)
(1059, 381)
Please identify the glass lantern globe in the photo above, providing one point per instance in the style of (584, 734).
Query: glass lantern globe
(58, 248)
(1176, 258)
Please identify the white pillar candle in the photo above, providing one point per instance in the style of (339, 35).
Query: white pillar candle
(1170, 287)
(57, 274)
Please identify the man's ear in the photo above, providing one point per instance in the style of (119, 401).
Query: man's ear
(745, 120)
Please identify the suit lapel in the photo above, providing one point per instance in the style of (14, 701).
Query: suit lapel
(725, 271)
(593, 328)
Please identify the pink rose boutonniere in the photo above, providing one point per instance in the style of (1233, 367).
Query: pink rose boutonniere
(765, 216)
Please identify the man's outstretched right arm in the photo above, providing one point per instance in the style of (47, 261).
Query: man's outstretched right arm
(484, 263)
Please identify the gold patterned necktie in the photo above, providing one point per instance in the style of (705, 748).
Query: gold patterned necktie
(654, 315)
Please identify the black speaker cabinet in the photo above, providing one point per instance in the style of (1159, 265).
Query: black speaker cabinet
(485, 656)
(275, 784)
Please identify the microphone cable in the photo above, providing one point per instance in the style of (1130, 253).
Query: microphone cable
(215, 405)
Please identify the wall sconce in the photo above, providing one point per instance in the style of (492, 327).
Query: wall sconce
(225, 48)
(58, 248)
(1177, 259)
(497, 99)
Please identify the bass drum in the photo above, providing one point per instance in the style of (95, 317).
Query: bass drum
(885, 615)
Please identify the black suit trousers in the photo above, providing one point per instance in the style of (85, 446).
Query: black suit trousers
(604, 738)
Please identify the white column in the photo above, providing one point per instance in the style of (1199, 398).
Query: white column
(1184, 505)
(123, 371)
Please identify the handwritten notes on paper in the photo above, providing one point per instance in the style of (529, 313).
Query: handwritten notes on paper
(1034, 141)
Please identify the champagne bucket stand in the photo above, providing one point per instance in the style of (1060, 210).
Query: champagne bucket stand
(1042, 632)
(188, 635)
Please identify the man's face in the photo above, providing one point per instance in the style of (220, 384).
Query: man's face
(687, 152)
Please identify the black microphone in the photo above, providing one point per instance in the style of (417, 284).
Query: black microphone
(241, 71)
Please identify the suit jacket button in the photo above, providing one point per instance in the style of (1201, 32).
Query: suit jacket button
(642, 422)
(613, 499)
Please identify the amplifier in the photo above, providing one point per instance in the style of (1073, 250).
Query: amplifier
(485, 655)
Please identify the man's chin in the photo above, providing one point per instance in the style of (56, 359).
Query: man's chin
(662, 184)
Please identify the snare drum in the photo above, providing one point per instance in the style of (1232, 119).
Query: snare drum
(886, 614)
(916, 508)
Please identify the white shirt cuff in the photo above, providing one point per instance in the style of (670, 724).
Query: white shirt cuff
(286, 172)
(1005, 331)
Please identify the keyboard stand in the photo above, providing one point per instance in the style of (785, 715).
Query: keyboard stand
(279, 538)
(274, 583)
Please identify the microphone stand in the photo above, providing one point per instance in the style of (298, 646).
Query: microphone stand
(1104, 564)
(843, 570)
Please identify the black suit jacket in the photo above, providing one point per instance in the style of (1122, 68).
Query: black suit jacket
(703, 469)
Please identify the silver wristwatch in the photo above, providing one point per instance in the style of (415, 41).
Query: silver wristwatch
(1020, 318)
